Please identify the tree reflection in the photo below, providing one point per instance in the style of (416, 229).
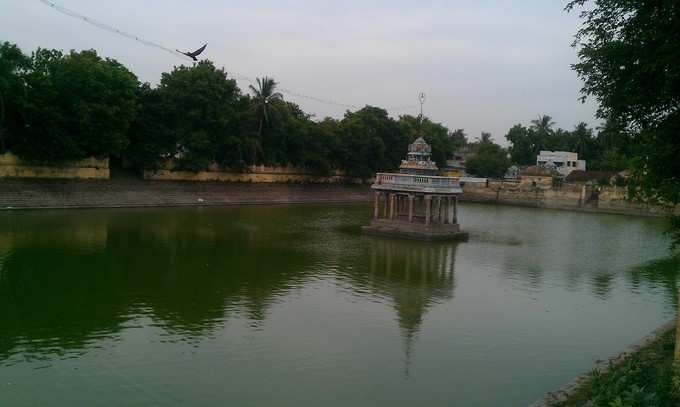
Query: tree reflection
(663, 273)
(66, 281)
(70, 279)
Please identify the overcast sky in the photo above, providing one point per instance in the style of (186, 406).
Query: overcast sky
(485, 65)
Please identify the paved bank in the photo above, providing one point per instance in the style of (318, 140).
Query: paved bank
(16, 193)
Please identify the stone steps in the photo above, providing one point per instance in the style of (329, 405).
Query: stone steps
(35, 193)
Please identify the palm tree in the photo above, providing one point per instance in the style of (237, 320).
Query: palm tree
(583, 137)
(264, 94)
(543, 125)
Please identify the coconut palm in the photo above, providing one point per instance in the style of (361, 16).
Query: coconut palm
(583, 137)
(264, 94)
(543, 125)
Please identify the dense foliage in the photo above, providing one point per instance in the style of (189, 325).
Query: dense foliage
(56, 107)
(490, 161)
(65, 106)
(628, 58)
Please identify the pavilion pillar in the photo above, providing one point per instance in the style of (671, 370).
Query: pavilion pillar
(449, 212)
(428, 209)
(411, 198)
(376, 205)
(392, 196)
(442, 207)
(435, 208)
(386, 206)
(455, 209)
(441, 216)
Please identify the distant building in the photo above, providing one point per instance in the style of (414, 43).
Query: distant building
(563, 161)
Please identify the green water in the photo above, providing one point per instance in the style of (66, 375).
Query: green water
(291, 306)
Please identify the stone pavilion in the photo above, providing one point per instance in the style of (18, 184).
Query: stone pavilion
(416, 203)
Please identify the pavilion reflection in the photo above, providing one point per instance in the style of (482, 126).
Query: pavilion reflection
(412, 276)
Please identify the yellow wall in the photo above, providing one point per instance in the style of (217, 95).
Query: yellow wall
(254, 173)
(13, 166)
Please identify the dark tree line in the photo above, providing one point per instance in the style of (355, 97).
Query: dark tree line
(57, 107)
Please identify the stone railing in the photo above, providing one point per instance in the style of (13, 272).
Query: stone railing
(424, 183)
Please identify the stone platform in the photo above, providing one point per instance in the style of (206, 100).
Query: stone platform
(416, 231)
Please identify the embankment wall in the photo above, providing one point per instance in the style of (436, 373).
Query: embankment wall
(515, 193)
(90, 168)
(566, 196)
(254, 173)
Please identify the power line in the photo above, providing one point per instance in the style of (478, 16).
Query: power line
(111, 29)
(236, 75)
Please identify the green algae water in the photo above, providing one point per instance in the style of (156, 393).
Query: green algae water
(291, 306)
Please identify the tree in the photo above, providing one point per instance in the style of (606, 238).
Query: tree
(490, 161)
(189, 118)
(485, 138)
(543, 124)
(370, 142)
(76, 105)
(583, 141)
(522, 150)
(628, 53)
(152, 141)
(264, 95)
(458, 138)
(13, 66)
(628, 58)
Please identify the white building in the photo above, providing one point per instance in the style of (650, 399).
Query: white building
(563, 161)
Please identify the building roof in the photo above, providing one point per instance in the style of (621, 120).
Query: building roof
(585, 176)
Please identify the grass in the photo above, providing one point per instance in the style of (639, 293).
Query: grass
(647, 378)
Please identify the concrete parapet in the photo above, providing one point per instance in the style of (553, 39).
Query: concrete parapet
(90, 168)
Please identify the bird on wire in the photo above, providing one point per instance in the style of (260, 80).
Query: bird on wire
(194, 54)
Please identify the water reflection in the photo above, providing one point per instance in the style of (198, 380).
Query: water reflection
(66, 280)
(414, 276)
(663, 274)
(70, 280)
